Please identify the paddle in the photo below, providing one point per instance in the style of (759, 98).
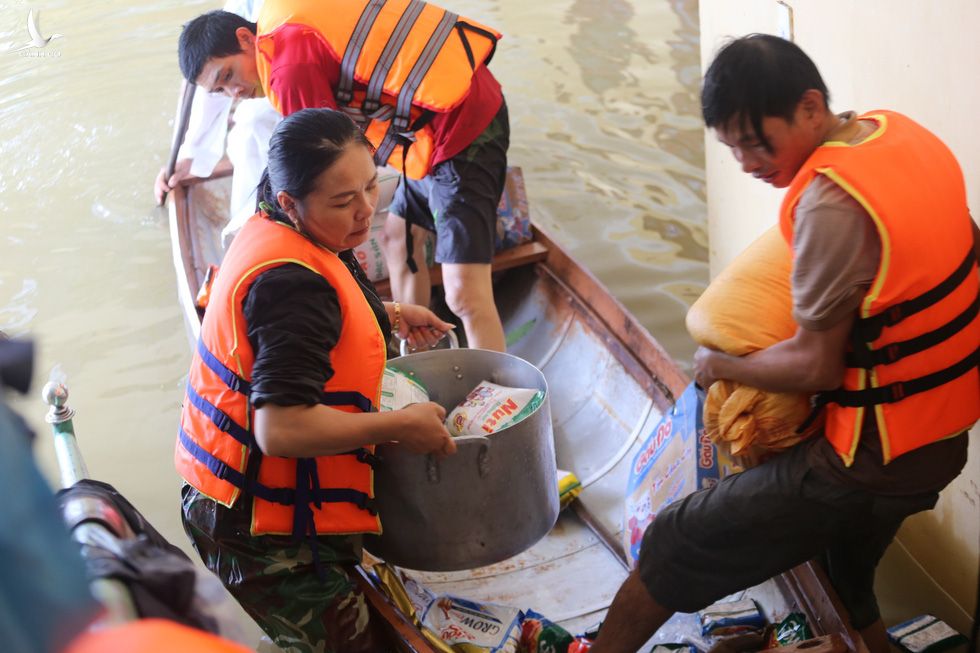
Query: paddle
(180, 131)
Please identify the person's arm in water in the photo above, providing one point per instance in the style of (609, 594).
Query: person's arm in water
(293, 319)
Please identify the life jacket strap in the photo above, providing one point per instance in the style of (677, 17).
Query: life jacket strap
(868, 329)
(366, 457)
(462, 27)
(396, 40)
(862, 356)
(400, 131)
(891, 393)
(234, 382)
(345, 88)
(221, 420)
(282, 495)
(348, 398)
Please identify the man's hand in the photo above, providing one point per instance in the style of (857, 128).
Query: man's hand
(162, 185)
(424, 429)
(704, 366)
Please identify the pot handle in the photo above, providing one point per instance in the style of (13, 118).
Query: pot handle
(451, 335)
(482, 458)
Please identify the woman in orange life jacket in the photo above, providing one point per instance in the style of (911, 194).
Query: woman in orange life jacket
(276, 501)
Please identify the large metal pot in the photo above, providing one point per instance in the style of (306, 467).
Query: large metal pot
(493, 499)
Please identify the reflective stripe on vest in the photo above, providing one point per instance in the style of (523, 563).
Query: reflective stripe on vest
(215, 440)
(399, 60)
(913, 348)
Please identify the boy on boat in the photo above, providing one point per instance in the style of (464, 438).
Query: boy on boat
(885, 296)
(415, 80)
(207, 133)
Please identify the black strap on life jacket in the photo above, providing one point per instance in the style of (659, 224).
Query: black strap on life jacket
(888, 394)
(868, 329)
(462, 27)
(863, 357)
(307, 490)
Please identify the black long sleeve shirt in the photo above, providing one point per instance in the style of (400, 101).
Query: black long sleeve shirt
(293, 322)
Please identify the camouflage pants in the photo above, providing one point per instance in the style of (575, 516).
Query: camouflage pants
(274, 579)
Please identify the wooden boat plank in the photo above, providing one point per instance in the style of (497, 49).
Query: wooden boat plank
(524, 254)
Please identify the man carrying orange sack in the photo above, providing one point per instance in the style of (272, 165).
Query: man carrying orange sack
(414, 78)
(885, 297)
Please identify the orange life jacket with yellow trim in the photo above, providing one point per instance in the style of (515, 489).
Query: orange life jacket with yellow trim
(913, 352)
(216, 451)
(399, 60)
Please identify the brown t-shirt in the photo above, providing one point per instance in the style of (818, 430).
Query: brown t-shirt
(836, 255)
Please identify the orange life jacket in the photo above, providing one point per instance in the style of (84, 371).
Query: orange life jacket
(216, 451)
(399, 60)
(913, 352)
(151, 636)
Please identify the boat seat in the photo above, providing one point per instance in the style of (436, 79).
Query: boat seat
(524, 254)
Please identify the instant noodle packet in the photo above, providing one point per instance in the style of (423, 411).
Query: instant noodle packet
(731, 617)
(925, 634)
(791, 630)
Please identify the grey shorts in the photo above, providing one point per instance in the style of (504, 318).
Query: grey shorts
(458, 199)
(766, 520)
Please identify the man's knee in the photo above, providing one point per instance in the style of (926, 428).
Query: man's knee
(393, 235)
(469, 289)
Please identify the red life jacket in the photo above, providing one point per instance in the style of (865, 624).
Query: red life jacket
(327, 494)
(914, 347)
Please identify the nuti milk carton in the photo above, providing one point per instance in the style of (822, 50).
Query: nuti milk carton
(676, 459)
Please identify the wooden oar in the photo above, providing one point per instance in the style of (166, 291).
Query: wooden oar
(185, 114)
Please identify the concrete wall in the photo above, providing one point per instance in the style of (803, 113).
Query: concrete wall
(916, 57)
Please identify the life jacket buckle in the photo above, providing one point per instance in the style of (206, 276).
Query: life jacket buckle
(368, 458)
(894, 315)
(897, 391)
(343, 96)
(892, 353)
(367, 503)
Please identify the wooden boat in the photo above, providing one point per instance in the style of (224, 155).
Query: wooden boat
(610, 382)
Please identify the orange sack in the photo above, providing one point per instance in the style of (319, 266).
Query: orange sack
(746, 308)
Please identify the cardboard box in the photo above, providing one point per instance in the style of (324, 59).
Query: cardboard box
(676, 459)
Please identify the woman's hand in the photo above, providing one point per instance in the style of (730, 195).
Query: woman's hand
(420, 326)
(424, 429)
